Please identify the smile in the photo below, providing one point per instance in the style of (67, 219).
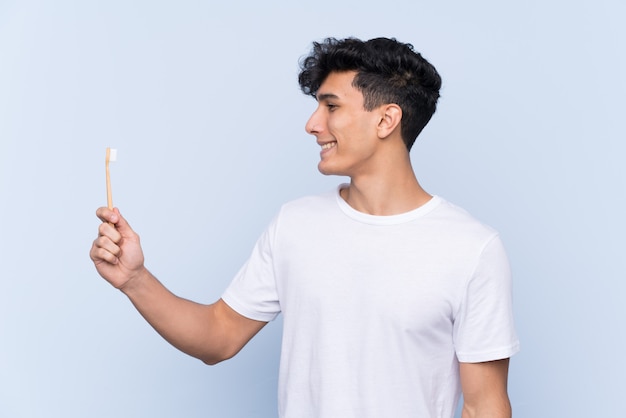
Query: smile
(329, 145)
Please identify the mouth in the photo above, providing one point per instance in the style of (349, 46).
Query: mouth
(328, 145)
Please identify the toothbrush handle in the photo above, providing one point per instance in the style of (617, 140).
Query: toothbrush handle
(109, 195)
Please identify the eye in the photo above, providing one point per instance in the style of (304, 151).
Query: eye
(331, 107)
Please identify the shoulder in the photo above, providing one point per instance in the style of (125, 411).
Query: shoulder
(308, 205)
(459, 223)
(305, 215)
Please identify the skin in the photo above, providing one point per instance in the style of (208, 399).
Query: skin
(367, 147)
(211, 333)
(364, 145)
(485, 389)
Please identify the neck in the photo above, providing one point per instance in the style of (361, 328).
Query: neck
(394, 192)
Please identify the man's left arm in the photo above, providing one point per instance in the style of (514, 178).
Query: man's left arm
(484, 388)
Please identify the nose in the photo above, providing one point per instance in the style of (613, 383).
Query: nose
(313, 125)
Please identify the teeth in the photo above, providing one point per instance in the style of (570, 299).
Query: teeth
(329, 145)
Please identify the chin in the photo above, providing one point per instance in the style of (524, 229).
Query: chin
(327, 171)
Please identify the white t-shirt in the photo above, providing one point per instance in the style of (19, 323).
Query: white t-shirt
(378, 310)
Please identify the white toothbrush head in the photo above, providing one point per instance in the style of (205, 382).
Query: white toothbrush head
(112, 154)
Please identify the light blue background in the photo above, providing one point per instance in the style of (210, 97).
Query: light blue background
(200, 99)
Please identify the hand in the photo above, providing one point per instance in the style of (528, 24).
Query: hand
(117, 252)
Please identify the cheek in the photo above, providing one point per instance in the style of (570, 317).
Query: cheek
(334, 125)
(342, 127)
(356, 131)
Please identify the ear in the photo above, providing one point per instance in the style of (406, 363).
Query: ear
(390, 117)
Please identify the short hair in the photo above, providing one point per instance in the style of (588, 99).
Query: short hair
(388, 71)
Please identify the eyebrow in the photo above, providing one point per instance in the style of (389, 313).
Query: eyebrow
(326, 96)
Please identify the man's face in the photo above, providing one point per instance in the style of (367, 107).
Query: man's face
(343, 128)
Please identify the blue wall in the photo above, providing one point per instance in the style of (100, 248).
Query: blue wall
(201, 102)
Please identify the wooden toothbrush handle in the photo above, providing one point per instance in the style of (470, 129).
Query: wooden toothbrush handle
(108, 177)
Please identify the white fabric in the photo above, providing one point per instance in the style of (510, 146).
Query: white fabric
(377, 310)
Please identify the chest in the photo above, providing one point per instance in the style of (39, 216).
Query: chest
(399, 277)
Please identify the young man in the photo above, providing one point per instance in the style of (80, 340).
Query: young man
(394, 301)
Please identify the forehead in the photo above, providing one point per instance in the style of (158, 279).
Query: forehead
(339, 85)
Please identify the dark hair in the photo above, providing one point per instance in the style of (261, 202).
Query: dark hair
(388, 71)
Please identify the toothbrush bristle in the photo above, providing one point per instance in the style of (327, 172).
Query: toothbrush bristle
(112, 154)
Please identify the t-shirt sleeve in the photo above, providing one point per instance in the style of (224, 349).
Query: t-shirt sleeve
(484, 329)
(252, 292)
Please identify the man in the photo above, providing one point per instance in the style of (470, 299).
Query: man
(394, 301)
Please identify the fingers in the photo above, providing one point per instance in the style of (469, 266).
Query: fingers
(109, 231)
(115, 219)
(103, 249)
(106, 246)
(107, 215)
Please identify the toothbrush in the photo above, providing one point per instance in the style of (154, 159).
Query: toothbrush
(111, 156)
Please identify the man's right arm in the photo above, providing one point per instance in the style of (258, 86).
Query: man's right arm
(211, 333)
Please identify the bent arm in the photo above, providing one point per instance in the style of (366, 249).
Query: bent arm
(211, 333)
(484, 388)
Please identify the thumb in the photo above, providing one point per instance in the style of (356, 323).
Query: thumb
(121, 224)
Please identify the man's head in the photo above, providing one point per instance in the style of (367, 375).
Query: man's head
(387, 71)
